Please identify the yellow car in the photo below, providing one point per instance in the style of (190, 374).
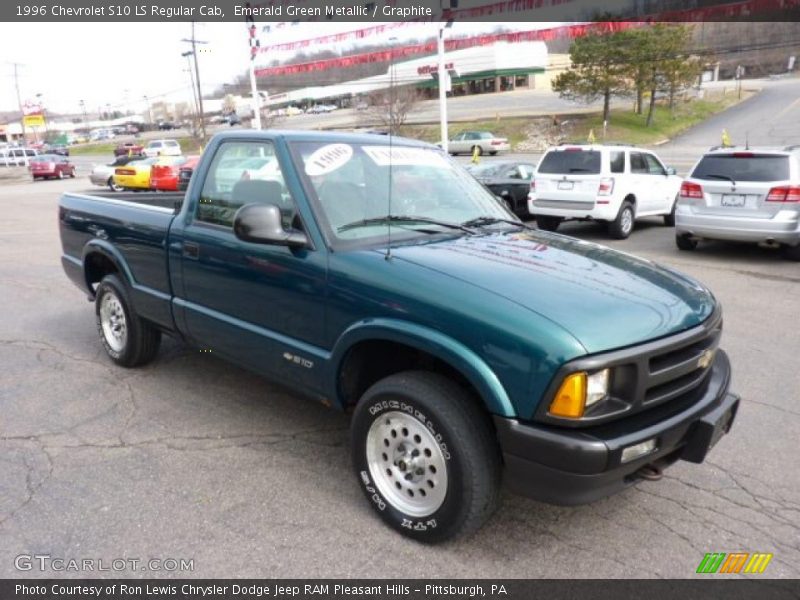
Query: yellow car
(135, 175)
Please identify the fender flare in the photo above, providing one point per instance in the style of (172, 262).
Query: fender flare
(429, 340)
(106, 249)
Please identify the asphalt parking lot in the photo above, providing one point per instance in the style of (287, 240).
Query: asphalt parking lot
(191, 458)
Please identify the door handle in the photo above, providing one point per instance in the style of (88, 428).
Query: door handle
(191, 250)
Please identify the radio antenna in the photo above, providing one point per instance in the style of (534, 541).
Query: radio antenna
(388, 256)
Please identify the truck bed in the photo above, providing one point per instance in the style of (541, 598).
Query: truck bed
(163, 199)
(130, 228)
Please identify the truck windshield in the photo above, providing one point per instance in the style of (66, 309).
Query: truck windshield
(350, 183)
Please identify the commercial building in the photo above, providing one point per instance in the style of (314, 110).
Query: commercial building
(498, 67)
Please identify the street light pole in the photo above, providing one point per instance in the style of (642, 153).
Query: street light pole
(149, 114)
(442, 73)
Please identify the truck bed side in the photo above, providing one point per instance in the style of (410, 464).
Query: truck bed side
(101, 234)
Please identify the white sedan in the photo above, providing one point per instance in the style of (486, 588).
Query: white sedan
(482, 142)
(162, 148)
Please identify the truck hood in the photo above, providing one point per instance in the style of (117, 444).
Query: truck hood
(606, 299)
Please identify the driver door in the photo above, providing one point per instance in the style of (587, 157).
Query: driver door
(260, 305)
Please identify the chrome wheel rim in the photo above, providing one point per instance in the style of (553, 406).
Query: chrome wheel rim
(627, 220)
(406, 464)
(113, 322)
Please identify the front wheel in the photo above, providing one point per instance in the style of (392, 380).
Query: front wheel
(548, 223)
(477, 150)
(128, 340)
(669, 220)
(425, 456)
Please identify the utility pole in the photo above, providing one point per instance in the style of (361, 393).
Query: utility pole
(194, 41)
(19, 98)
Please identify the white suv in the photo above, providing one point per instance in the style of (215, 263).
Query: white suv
(163, 148)
(613, 184)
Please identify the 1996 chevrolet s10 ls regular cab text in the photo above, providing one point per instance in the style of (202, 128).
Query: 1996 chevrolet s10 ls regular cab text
(384, 280)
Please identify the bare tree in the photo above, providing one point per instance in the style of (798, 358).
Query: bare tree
(390, 108)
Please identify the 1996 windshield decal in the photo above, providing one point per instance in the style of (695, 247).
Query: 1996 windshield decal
(118, 10)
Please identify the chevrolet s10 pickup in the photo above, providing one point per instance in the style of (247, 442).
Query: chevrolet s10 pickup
(376, 276)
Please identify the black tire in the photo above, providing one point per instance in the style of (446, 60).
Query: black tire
(72, 174)
(791, 252)
(546, 223)
(684, 242)
(141, 340)
(621, 227)
(113, 186)
(669, 220)
(444, 412)
(493, 153)
(477, 149)
(60, 175)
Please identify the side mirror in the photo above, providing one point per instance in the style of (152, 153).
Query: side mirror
(671, 171)
(261, 224)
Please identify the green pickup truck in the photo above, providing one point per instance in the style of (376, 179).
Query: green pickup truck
(377, 277)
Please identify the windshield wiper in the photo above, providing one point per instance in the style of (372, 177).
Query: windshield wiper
(486, 220)
(578, 170)
(715, 176)
(403, 219)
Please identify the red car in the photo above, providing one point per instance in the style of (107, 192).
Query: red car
(164, 174)
(51, 165)
(128, 149)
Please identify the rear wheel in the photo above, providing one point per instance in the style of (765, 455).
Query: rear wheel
(621, 227)
(425, 456)
(60, 175)
(113, 186)
(791, 252)
(493, 153)
(685, 242)
(128, 340)
(548, 223)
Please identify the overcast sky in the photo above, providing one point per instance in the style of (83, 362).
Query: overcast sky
(119, 63)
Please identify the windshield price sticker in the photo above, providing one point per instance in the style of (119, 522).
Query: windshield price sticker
(405, 156)
(328, 158)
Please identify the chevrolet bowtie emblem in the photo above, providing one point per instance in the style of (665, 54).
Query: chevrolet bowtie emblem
(706, 358)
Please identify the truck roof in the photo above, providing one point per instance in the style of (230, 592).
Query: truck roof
(301, 135)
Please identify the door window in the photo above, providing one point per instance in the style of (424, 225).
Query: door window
(654, 167)
(638, 164)
(243, 173)
(617, 161)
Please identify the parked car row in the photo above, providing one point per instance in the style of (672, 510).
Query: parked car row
(736, 194)
(138, 172)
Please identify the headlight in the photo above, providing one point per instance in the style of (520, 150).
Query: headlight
(579, 391)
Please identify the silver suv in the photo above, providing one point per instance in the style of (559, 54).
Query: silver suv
(748, 195)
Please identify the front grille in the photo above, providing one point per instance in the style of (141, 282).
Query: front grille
(565, 204)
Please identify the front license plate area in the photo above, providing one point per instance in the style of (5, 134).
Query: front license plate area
(733, 200)
(709, 430)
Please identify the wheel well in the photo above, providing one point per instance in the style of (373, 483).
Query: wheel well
(96, 266)
(630, 198)
(370, 361)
